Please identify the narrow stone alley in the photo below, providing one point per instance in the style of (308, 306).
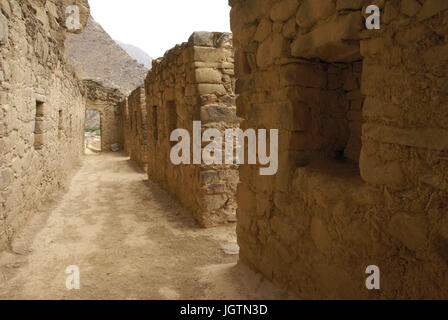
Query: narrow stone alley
(130, 240)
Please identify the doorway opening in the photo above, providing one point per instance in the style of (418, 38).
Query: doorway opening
(92, 132)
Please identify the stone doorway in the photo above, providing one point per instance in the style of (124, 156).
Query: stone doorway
(92, 132)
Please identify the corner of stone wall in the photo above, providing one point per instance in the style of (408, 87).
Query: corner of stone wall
(193, 82)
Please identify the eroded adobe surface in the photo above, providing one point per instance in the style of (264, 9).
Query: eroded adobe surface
(41, 109)
(363, 145)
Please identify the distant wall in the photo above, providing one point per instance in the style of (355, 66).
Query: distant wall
(138, 136)
(125, 126)
(42, 110)
(193, 82)
(362, 174)
(107, 102)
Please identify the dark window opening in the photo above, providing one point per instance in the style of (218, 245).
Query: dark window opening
(38, 125)
(60, 124)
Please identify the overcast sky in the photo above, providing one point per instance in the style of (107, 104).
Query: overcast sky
(158, 25)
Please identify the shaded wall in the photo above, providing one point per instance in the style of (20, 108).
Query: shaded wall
(138, 136)
(345, 198)
(193, 82)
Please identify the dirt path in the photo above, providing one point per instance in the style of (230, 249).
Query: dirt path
(130, 240)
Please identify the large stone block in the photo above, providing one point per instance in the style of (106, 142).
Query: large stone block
(205, 88)
(6, 8)
(264, 29)
(410, 7)
(409, 230)
(329, 41)
(217, 113)
(311, 11)
(207, 75)
(213, 202)
(375, 171)
(208, 54)
(283, 10)
(431, 8)
(435, 139)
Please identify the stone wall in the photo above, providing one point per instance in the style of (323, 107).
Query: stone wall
(138, 135)
(125, 126)
(363, 145)
(193, 82)
(41, 109)
(107, 102)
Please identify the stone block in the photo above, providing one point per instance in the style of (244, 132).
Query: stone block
(410, 7)
(206, 88)
(320, 235)
(211, 54)
(6, 176)
(283, 10)
(217, 113)
(3, 29)
(6, 8)
(409, 230)
(435, 139)
(431, 8)
(207, 75)
(264, 29)
(213, 202)
(348, 5)
(311, 11)
(328, 41)
(202, 38)
(378, 172)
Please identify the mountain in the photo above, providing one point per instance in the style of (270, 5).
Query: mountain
(95, 55)
(137, 53)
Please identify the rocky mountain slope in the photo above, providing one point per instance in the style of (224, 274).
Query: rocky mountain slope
(95, 55)
(137, 54)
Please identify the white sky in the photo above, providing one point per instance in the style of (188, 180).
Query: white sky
(158, 25)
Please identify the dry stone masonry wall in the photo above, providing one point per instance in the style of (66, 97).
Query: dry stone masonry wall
(363, 145)
(107, 102)
(41, 109)
(363, 134)
(193, 82)
(125, 126)
(138, 131)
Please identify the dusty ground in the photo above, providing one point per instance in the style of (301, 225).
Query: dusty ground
(130, 240)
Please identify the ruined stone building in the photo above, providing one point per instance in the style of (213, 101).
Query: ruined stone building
(363, 134)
